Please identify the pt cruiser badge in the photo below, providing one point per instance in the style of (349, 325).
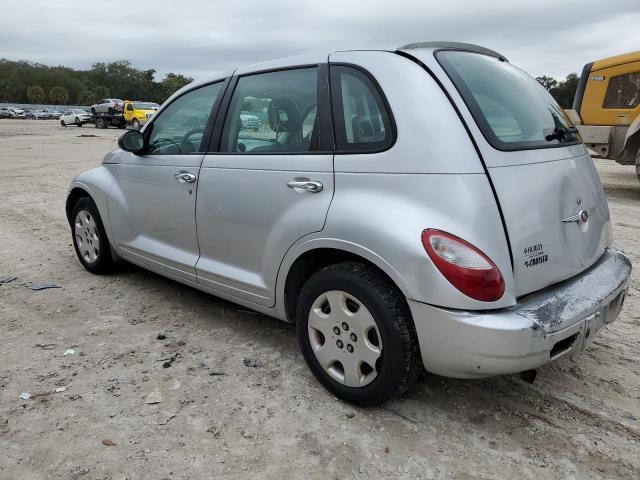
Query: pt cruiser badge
(581, 217)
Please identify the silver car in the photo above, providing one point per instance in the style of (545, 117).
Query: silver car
(107, 105)
(425, 207)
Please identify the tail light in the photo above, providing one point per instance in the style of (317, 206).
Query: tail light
(464, 266)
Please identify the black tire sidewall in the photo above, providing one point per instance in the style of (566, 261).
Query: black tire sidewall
(104, 262)
(389, 375)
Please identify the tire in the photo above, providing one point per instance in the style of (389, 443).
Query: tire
(135, 125)
(397, 363)
(78, 122)
(87, 230)
(62, 123)
(101, 123)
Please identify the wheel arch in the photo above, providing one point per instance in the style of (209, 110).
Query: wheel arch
(303, 261)
(75, 194)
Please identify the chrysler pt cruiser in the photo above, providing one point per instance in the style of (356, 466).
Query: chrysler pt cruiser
(427, 207)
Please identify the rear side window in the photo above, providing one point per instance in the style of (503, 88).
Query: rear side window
(274, 112)
(513, 111)
(623, 92)
(361, 117)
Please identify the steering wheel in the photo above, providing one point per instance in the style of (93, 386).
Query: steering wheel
(185, 145)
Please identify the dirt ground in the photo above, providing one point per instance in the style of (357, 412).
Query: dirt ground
(218, 417)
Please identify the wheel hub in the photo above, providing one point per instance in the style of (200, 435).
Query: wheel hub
(345, 339)
(86, 235)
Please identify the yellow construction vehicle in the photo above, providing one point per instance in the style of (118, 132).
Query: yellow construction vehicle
(606, 108)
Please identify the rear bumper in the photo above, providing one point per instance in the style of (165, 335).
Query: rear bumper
(559, 320)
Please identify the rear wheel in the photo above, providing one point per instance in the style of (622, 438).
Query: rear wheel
(101, 123)
(356, 333)
(90, 239)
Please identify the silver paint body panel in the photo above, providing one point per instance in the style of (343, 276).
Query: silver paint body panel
(239, 230)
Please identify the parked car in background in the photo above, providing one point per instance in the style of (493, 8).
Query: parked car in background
(472, 241)
(75, 116)
(137, 113)
(42, 115)
(7, 112)
(29, 114)
(249, 121)
(107, 105)
(20, 113)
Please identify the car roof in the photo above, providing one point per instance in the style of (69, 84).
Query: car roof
(315, 58)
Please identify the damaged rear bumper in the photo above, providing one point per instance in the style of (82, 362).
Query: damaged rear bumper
(559, 320)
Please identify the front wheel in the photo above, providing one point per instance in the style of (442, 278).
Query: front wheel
(135, 125)
(62, 123)
(78, 122)
(356, 333)
(90, 239)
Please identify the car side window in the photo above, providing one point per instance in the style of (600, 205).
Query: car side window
(273, 112)
(361, 118)
(179, 128)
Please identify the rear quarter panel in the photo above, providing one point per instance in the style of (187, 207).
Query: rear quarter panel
(430, 178)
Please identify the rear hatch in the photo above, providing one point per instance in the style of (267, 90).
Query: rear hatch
(549, 191)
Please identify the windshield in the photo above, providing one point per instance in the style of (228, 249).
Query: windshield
(513, 111)
(78, 110)
(145, 106)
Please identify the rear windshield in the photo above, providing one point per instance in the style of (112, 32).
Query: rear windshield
(513, 111)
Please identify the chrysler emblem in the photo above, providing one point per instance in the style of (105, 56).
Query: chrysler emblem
(581, 217)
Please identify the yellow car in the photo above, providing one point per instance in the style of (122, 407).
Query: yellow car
(138, 113)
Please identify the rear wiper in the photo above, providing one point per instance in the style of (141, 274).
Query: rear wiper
(561, 132)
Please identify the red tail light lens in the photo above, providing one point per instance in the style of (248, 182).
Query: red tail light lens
(464, 266)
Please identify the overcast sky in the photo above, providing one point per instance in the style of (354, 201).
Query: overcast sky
(199, 37)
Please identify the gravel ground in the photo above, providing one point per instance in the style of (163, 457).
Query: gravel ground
(209, 415)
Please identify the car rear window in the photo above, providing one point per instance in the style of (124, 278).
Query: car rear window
(513, 111)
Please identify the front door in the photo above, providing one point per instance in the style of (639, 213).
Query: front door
(270, 184)
(152, 201)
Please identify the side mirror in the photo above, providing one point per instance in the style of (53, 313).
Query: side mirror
(132, 141)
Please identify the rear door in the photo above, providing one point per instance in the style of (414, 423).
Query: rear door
(268, 184)
(548, 189)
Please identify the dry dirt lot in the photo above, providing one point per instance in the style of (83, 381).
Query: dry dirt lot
(217, 417)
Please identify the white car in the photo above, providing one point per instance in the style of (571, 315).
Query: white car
(107, 105)
(75, 116)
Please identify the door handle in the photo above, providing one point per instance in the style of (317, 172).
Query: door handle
(185, 177)
(308, 185)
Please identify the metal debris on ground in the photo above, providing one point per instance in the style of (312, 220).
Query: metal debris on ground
(214, 373)
(60, 389)
(250, 362)
(40, 285)
(68, 351)
(154, 397)
(25, 396)
(108, 443)
(45, 346)
(6, 279)
(161, 336)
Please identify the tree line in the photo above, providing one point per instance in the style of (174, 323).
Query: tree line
(562, 90)
(28, 82)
